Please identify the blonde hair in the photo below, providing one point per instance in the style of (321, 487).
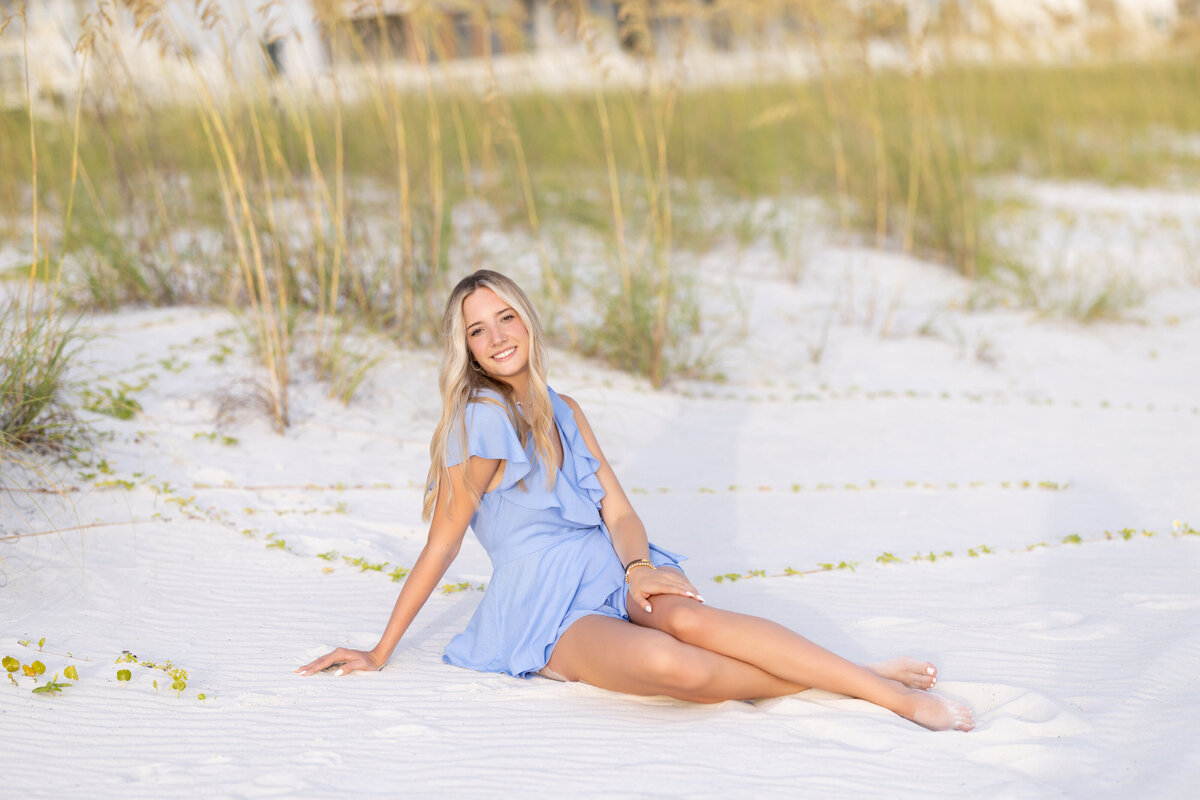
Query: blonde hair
(460, 383)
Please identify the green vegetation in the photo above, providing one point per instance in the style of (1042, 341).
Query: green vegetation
(213, 436)
(35, 351)
(340, 209)
(178, 675)
(53, 686)
(36, 669)
(113, 402)
(328, 220)
(1178, 529)
(463, 586)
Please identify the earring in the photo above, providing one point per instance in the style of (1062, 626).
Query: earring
(475, 366)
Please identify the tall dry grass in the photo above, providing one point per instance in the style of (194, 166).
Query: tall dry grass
(337, 202)
(36, 342)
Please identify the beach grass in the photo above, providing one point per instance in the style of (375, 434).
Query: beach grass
(35, 353)
(341, 203)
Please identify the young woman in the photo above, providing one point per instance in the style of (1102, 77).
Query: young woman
(577, 591)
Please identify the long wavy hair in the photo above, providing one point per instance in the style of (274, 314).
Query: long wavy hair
(461, 379)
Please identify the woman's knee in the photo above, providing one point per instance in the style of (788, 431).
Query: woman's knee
(683, 618)
(681, 671)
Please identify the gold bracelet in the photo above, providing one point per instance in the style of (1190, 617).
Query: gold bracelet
(637, 562)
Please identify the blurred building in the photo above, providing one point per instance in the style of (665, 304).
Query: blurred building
(160, 46)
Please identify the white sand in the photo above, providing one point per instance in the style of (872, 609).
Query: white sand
(1079, 660)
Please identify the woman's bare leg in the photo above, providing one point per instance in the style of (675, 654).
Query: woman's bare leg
(618, 655)
(788, 655)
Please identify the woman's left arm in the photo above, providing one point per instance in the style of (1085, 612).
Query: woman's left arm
(626, 528)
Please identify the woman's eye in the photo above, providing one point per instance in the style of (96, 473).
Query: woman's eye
(508, 317)
(475, 332)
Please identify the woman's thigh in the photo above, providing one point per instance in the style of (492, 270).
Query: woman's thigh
(679, 616)
(616, 654)
(619, 655)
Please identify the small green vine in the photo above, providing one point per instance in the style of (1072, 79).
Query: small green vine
(464, 586)
(1125, 534)
(870, 485)
(824, 393)
(178, 675)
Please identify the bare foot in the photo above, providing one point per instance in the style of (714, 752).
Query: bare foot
(939, 713)
(912, 673)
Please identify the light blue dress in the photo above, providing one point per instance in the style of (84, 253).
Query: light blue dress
(552, 558)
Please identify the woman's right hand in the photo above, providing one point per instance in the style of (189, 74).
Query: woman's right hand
(348, 660)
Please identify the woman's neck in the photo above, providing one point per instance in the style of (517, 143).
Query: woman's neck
(520, 387)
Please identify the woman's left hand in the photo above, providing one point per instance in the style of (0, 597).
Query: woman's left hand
(644, 583)
(346, 659)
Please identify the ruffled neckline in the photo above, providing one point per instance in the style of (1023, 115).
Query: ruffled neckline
(577, 490)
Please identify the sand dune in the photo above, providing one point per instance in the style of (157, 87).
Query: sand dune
(233, 560)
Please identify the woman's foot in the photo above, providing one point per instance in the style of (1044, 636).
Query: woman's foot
(938, 713)
(908, 671)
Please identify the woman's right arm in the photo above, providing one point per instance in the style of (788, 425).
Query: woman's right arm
(451, 515)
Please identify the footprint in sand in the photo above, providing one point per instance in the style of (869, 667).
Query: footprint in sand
(1021, 729)
(1014, 713)
(1036, 761)
(271, 784)
(211, 476)
(1068, 626)
(320, 758)
(854, 725)
(261, 699)
(1162, 602)
(150, 772)
(409, 730)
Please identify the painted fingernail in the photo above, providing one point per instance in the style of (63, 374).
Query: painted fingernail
(689, 594)
(701, 599)
(340, 672)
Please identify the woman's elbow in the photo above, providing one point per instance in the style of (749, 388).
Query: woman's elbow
(622, 519)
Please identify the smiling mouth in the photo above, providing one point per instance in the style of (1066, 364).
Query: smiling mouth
(504, 354)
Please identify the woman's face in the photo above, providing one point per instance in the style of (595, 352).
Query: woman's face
(496, 336)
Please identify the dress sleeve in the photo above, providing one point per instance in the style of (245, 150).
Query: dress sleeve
(490, 434)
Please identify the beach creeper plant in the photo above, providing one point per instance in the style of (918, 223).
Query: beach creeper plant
(113, 402)
(36, 669)
(1178, 529)
(52, 686)
(178, 675)
(463, 586)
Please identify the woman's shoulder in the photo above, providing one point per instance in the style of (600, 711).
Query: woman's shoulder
(486, 407)
(485, 394)
(489, 430)
(565, 399)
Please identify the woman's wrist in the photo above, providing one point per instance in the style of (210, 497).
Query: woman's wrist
(643, 563)
(379, 657)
